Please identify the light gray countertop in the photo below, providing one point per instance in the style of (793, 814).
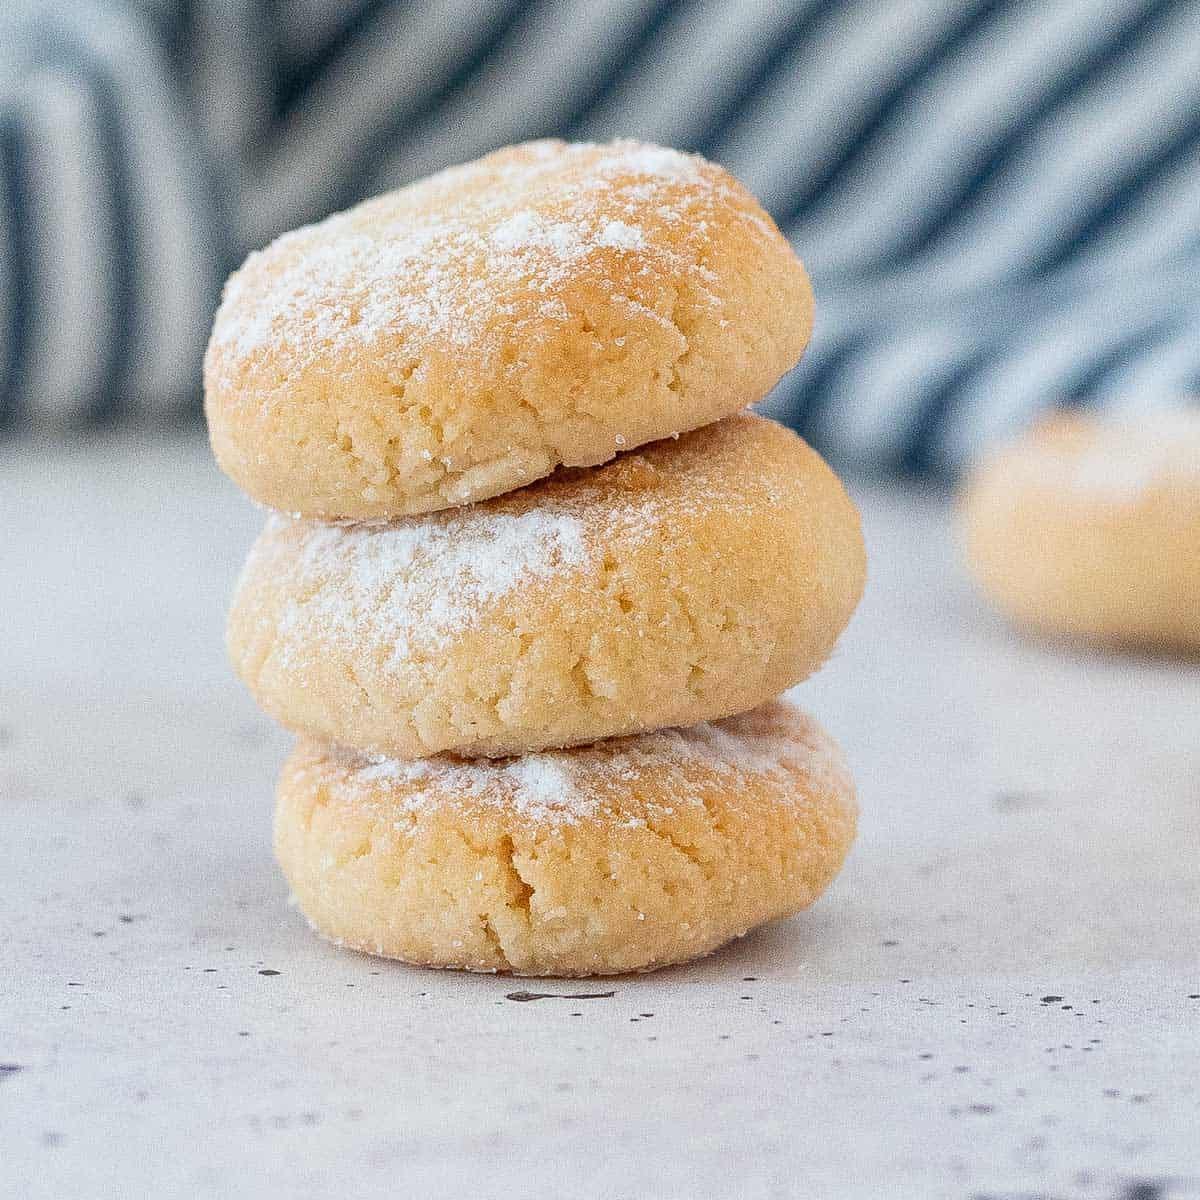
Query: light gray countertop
(170, 1027)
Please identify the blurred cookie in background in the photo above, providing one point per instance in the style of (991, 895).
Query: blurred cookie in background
(1090, 528)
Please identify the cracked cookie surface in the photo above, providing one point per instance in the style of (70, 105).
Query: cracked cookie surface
(547, 305)
(686, 581)
(622, 856)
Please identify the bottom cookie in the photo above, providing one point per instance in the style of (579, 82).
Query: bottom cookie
(623, 856)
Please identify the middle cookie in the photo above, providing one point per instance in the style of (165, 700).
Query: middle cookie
(688, 581)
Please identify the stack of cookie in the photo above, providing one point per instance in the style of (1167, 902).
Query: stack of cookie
(533, 585)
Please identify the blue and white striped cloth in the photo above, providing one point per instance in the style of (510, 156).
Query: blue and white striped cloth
(999, 202)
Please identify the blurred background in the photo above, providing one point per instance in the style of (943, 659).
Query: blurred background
(999, 202)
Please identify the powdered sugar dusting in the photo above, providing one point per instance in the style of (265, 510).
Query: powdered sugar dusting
(558, 787)
(543, 781)
(528, 231)
(388, 597)
(436, 266)
(660, 161)
(621, 236)
(540, 787)
(414, 584)
(566, 241)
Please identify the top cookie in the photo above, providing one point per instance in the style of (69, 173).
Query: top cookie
(548, 304)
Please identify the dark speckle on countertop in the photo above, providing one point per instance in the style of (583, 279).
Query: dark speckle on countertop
(1015, 800)
(523, 997)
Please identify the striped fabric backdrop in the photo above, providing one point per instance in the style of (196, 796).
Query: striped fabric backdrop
(999, 202)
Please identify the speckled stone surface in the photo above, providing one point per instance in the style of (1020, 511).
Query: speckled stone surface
(999, 998)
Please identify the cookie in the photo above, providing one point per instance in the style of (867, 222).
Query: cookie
(548, 304)
(1091, 528)
(683, 582)
(622, 856)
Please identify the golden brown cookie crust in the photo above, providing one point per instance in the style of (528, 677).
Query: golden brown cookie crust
(683, 582)
(548, 304)
(1091, 528)
(618, 857)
